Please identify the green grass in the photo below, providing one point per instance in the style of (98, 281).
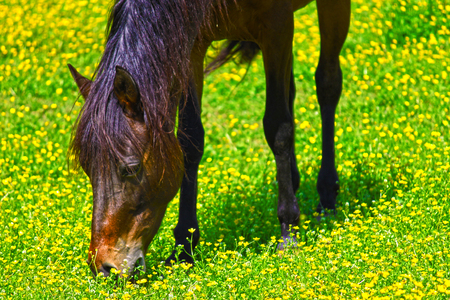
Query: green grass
(389, 239)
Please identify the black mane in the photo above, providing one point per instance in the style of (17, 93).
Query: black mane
(152, 40)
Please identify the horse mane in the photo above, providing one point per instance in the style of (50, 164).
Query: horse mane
(152, 40)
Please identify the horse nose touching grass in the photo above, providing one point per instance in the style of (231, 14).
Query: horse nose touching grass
(106, 269)
(133, 266)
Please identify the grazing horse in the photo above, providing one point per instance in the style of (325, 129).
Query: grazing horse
(126, 138)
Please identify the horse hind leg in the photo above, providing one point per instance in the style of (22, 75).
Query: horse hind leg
(334, 18)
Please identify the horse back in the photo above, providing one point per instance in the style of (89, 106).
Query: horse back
(249, 20)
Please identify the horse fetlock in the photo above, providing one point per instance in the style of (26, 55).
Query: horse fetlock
(289, 216)
(288, 242)
(288, 234)
(328, 179)
(328, 189)
(180, 256)
(188, 236)
(328, 197)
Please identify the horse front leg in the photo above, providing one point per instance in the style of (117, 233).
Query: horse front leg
(295, 174)
(334, 19)
(278, 120)
(191, 138)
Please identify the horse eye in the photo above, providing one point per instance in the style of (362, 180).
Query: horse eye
(129, 170)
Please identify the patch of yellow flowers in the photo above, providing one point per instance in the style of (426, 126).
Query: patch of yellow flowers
(393, 238)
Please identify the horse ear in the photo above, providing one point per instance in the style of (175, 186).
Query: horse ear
(84, 84)
(127, 93)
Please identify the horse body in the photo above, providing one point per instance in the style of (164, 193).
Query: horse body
(269, 25)
(143, 178)
(248, 20)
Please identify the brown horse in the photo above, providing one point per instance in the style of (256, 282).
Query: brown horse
(125, 138)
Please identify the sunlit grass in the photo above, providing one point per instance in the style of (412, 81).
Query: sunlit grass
(390, 238)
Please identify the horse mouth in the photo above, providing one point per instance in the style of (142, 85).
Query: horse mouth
(132, 270)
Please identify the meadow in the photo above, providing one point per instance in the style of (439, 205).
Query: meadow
(388, 240)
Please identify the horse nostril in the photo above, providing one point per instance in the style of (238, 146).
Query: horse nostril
(139, 262)
(139, 265)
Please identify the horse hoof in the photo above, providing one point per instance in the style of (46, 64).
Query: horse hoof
(325, 214)
(288, 242)
(182, 257)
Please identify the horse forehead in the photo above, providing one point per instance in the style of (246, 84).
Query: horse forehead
(138, 127)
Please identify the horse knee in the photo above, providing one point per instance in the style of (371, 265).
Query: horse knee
(329, 83)
(279, 136)
(192, 144)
